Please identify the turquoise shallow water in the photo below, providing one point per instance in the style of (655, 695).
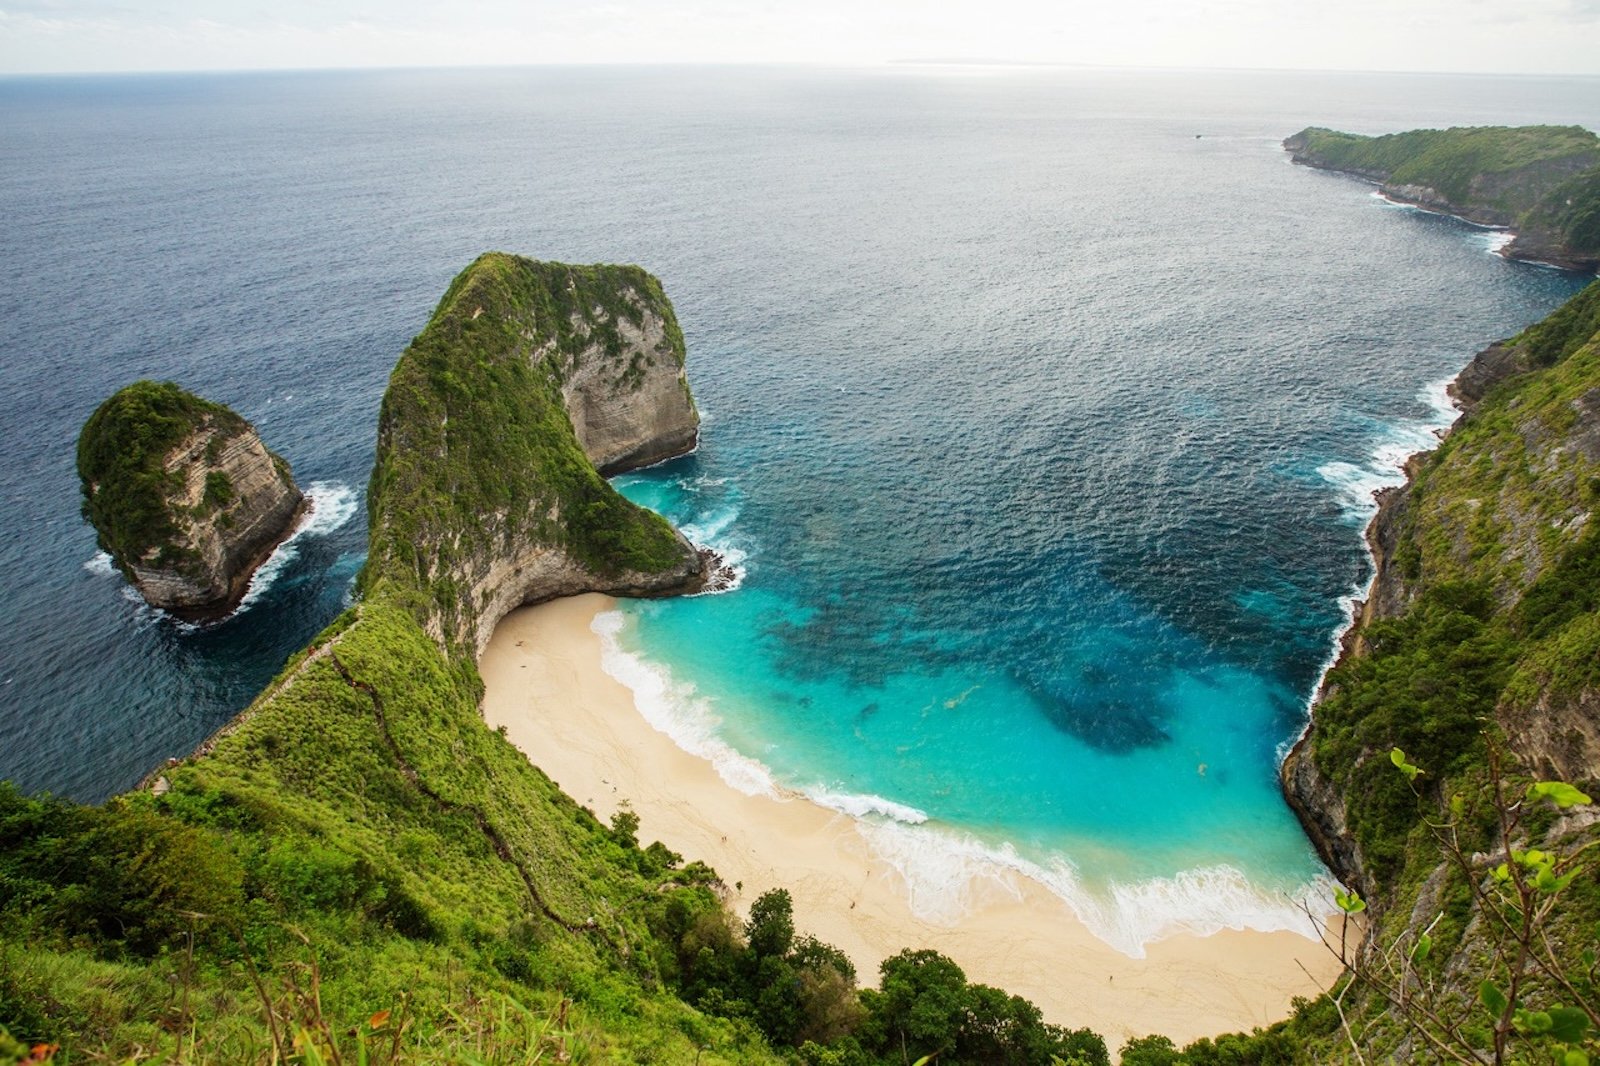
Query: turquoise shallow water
(1046, 428)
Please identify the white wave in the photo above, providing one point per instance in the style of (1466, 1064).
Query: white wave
(676, 709)
(712, 531)
(1495, 241)
(331, 506)
(101, 565)
(712, 526)
(1357, 485)
(1357, 488)
(862, 805)
(947, 874)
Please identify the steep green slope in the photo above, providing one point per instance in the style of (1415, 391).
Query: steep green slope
(1543, 181)
(478, 467)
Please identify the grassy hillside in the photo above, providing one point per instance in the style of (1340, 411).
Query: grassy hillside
(359, 870)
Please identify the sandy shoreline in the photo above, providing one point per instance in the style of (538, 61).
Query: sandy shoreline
(545, 685)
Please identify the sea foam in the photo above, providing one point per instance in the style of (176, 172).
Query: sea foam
(676, 709)
(332, 505)
(1357, 488)
(947, 873)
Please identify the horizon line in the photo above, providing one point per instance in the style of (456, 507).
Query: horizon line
(898, 62)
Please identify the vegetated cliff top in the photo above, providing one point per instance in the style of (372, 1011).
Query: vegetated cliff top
(1544, 181)
(121, 454)
(476, 453)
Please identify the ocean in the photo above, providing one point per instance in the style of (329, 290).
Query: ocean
(1042, 413)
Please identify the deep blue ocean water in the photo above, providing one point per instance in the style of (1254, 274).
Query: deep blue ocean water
(1042, 408)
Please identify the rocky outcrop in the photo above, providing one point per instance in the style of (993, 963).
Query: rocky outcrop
(185, 497)
(237, 503)
(1320, 808)
(1488, 368)
(1557, 734)
(530, 380)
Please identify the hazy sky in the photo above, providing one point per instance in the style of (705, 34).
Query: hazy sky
(1552, 36)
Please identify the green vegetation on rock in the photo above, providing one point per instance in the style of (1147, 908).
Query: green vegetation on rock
(121, 452)
(475, 449)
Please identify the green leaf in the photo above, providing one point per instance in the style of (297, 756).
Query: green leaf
(1492, 998)
(1420, 950)
(1568, 1024)
(1398, 757)
(1575, 1058)
(1531, 1021)
(1558, 792)
(1350, 902)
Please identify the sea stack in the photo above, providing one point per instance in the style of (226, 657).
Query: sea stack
(184, 497)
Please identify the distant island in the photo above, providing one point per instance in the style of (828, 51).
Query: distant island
(1543, 182)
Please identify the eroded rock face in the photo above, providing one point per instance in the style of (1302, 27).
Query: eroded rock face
(640, 416)
(228, 538)
(185, 497)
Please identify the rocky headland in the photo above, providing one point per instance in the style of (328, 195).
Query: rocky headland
(530, 380)
(1542, 182)
(184, 497)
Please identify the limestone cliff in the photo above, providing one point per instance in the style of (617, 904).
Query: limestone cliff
(529, 380)
(184, 496)
(1543, 182)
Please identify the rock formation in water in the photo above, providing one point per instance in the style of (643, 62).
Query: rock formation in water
(530, 380)
(183, 496)
(1543, 182)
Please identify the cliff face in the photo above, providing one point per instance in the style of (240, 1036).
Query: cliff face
(1541, 181)
(486, 493)
(1485, 607)
(184, 496)
(634, 409)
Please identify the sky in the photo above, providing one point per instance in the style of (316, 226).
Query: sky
(1492, 36)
